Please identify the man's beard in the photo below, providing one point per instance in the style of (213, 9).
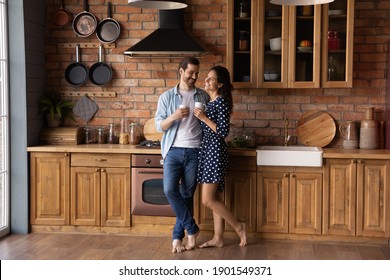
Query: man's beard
(191, 82)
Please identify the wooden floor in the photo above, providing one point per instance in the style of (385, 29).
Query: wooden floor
(55, 246)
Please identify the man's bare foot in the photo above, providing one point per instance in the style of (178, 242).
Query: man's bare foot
(191, 242)
(212, 243)
(177, 247)
(242, 234)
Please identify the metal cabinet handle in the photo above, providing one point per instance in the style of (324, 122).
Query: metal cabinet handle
(100, 159)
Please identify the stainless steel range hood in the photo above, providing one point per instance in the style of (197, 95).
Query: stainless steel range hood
(169, 40)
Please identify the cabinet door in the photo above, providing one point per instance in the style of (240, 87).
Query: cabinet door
(305, 203)
(339, 197)
(273, 63)
(49, 181)
(115, 197)
(373, 198)
(272, 202)
(242, 43)
(85, 196)
(337, 43)
(304, 60)
(240, 198)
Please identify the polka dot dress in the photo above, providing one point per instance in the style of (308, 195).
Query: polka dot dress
(213, 156)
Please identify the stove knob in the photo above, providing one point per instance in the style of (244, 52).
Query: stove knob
(148, 160)
(161, 162)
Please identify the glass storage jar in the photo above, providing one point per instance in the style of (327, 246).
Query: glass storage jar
(101, 135)
(123, 134)
(112, 137)
(90, 135)
(134, 134)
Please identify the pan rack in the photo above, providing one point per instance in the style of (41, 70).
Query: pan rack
(87, 45)
(88, 93)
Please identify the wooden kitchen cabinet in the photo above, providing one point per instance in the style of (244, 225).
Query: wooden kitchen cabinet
(297, 67)
(337, 43)
(239, 195)
(242, 43)
(289, 200)
(49, 188)
(100, 189)
(356, 197)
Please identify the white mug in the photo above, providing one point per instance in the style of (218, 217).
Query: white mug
(200, 105)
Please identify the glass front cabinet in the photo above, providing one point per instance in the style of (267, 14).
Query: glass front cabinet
(274, 46)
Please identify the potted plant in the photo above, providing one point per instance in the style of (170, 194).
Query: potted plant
(55, 108)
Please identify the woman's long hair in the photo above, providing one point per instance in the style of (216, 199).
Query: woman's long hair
(225, 90)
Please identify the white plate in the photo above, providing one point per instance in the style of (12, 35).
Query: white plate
(336, 12)
(305, 49)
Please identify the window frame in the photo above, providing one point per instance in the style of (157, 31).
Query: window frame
(4, 124)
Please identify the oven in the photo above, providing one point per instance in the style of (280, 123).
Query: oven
(148, 198)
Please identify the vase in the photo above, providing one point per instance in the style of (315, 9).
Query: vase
(53, 122)
(369, 131)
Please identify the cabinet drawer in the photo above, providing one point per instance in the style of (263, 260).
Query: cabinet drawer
(100, 160)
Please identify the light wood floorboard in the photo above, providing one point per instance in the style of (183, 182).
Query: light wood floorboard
(58, 246)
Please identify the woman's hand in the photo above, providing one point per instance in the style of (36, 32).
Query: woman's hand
(199, 113)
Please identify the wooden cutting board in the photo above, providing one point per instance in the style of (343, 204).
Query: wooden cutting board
(316, 128)
(151, 132)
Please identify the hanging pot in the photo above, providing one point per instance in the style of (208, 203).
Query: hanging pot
(84, 24)
(100, 73)
(62, 17)
(76, 73)
(108, 30)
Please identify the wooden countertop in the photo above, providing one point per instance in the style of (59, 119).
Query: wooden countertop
(132, 149)
(118, 149)
(356, 153)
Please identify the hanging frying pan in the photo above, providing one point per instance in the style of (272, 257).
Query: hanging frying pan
(62, 16)
(84, 24)
(108, 30)
(76, 73)
(100, 73)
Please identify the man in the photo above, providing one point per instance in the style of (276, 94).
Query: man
(180, 147)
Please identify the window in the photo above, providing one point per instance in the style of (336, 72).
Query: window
(4, 120)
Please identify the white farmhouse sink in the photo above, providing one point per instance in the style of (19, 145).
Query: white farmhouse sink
(289, 156)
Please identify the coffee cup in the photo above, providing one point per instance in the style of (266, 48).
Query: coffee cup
(200, 105)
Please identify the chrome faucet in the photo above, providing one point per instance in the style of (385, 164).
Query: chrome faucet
(286, 136)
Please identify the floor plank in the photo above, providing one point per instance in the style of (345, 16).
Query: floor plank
(58, 246)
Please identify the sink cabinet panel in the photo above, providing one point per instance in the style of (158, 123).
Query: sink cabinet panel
(356, 197)
(289, 201)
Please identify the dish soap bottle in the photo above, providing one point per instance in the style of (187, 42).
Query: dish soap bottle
(369, 131)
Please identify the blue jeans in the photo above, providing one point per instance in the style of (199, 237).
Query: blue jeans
(180, 170)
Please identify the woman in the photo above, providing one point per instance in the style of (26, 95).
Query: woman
(213, 154)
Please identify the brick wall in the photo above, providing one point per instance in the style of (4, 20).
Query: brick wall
(138, 82)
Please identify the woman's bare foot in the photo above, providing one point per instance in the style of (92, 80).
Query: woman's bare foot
(191, 242)
(212, 243)
(242, 234)
(177, 246)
